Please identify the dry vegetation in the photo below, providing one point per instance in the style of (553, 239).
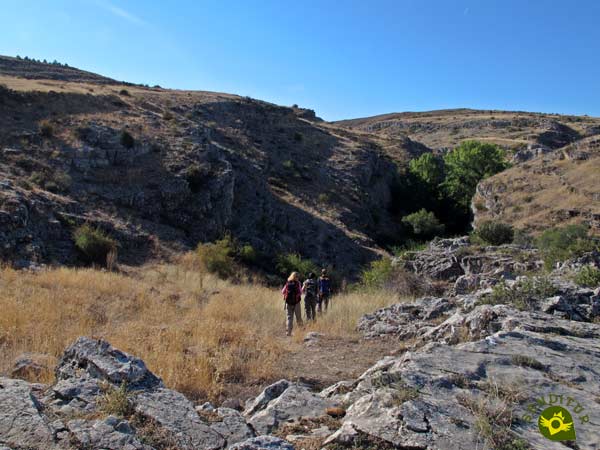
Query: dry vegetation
(199, 333)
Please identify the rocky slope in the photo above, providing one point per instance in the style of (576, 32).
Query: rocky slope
(477, 371)
(204, 164)
(556, 187)
(200, 165)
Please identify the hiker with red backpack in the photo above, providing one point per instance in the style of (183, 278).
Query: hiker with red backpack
(309, 289)
(292, 295)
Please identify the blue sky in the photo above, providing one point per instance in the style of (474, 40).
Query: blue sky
(342, 58)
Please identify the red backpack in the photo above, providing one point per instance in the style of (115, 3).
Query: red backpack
(291, 295)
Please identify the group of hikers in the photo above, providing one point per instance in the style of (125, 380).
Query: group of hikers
(317, 294)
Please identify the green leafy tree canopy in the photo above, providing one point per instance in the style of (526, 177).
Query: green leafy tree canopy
(467, 165)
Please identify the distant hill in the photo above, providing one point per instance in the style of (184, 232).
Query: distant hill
(446, 128)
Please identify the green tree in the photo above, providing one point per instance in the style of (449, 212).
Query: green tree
(424, 223)
(428, 168)
(467, 165)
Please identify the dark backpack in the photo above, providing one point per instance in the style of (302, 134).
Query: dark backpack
(310, 287)
(291, 296)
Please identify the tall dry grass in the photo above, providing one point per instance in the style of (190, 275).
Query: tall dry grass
(197, 332)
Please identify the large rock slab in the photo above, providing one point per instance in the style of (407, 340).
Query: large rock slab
(108, 434)
(22, 424)
(437, 396)
(177, 415)
(99, 360)
(294, 402)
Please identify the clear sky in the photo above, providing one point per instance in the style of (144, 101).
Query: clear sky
(342, 58)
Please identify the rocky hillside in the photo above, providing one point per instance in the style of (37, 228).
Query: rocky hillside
(474, 370)
(556, 187)
(161, 170)
(192, 166)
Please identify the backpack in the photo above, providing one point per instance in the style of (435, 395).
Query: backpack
(325, 285)
(310, 287)
(291, 295)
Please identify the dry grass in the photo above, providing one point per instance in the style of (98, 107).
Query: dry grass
(195, 331)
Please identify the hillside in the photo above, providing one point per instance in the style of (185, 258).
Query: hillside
(201, 164)
(194, 166)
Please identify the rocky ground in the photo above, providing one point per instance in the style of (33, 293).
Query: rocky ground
(471, 369)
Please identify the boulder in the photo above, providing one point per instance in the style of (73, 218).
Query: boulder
(22, 424)
(232, 426)
(295, 402)
(97, 359)
(269, 393)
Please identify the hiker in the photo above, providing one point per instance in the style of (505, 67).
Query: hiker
(292, 295)
(309, 289)
(324, 291)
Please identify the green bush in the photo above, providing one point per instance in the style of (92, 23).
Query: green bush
(377, 274)
(217, 257)
(495, 233)
(562, 243)
(93, 244)
(247, 254)
(124, 93)
(522, 295)
(293, 262)
(424, 224)
(127, 139)
(588, 276)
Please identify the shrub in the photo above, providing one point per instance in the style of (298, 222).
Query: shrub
(377, 274)
(46, 129)
(124, 93)
(57, 181)
(115, 402)
(588, 276)
(323, 198)
(424, 223)
(522, 295)
(93, 244)
(247, 254)
(195, 175)
(495, 233)
(293, 262)
(217, 257)
(562, 243)
(127, 139)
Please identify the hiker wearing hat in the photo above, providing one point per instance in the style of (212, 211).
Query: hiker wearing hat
(309, 289)
(324, 291)
(292, 295)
